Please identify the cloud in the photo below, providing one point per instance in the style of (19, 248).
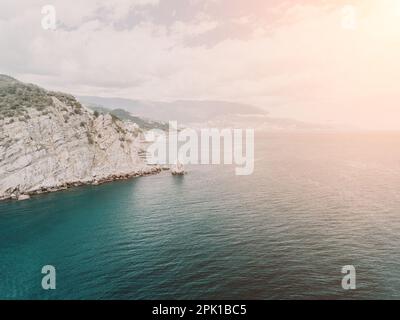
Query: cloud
(292, 57)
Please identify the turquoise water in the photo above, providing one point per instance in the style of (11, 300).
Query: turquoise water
(315, 203)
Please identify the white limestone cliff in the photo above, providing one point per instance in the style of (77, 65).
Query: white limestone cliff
(65, 145)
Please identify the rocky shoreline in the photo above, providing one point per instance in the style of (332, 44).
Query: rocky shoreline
(16, 195)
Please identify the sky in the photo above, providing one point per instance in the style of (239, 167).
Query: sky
(326, 61)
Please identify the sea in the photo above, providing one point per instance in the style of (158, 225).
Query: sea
(316, 202)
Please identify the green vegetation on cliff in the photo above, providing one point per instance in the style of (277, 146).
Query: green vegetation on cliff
(16, 97)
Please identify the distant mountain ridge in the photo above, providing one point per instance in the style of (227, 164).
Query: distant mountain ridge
(198, 114)
(145, 124)
(183, 111)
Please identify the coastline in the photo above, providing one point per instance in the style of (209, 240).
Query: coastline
(17, 196)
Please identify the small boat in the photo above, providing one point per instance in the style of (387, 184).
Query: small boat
(178, 169)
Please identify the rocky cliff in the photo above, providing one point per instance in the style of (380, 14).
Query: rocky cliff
(49, 141)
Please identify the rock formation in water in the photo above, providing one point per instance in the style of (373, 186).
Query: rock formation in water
(49, 141)
(178, 169)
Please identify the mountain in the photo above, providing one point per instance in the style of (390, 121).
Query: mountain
(49, 141)
(122, 114)
(199, 114)
(183, 111)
